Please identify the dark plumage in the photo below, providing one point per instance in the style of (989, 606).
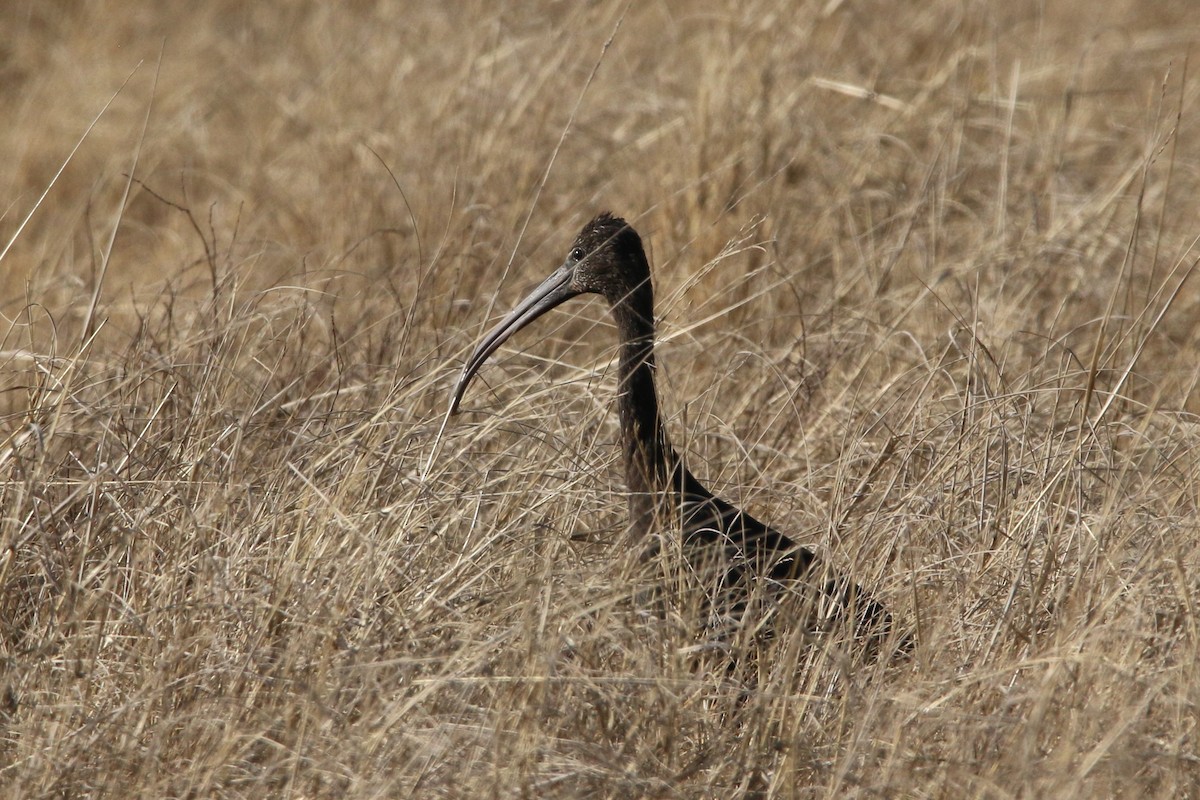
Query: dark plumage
(607, 258)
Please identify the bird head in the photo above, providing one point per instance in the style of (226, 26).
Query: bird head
(606, 258)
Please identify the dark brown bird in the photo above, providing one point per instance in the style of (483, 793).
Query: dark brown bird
(607, 258)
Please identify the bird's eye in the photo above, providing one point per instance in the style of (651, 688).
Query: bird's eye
(577, 254)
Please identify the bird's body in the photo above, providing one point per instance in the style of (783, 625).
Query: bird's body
(608, 259)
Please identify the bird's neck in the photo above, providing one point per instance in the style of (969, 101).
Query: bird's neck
(649, 458)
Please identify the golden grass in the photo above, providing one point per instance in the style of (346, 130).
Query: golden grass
(922, 274)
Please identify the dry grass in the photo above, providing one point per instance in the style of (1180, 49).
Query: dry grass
(922, 273)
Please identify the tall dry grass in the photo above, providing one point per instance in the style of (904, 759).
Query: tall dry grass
(923, 278)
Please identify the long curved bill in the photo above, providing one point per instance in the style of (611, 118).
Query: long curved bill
(552, 292)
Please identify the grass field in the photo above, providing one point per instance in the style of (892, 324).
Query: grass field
(926, 302)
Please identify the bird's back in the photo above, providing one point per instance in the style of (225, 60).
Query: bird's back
(740, 557)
